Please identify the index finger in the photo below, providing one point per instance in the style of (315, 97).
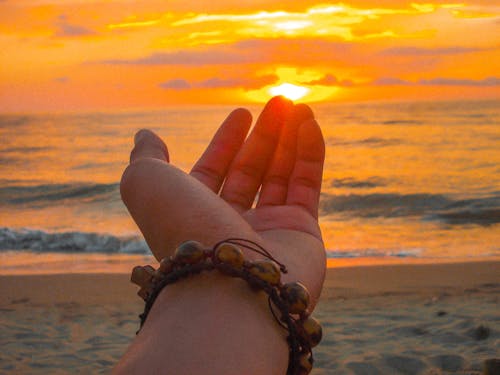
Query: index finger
(148, 145)
(212, 167)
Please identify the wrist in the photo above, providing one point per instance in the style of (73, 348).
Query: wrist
(216, 320)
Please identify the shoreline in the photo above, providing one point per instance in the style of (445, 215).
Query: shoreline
(32, 263)
(422, 319)
(340, 282)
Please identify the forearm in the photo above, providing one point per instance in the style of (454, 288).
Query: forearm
(208, 324)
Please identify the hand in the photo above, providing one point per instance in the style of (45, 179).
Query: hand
(281, 161)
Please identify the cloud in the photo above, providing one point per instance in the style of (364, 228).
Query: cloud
(330, 80)
(490, 81)
(280, 50)
(340, 20)
(216, 82)
(486, 82)
(133, 24)
(318, 14)
(61, 79)
(477, 11)
(389, 81)
(246, 83)
(418, 51)
(197, 58)
(65, 29)
(175, 84)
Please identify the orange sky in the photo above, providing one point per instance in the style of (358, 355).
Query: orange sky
(87, 54)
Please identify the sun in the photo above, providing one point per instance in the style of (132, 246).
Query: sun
(290, 91)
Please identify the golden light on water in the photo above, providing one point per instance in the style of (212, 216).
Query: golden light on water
(289, 91)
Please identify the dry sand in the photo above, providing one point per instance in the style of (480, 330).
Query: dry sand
(397, 319)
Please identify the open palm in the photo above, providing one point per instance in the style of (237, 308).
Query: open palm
(281, 162)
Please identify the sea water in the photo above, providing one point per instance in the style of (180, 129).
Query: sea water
(401, 180)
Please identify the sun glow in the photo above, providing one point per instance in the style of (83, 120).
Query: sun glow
(289, 91)
(292, 25)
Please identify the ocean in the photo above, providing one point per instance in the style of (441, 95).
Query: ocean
(402, 181)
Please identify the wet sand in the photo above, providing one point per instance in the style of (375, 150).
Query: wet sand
(392, 319)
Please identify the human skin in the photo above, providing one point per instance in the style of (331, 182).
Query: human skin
(211, 323)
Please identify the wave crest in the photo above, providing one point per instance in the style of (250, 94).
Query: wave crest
(432, 207)
(70, 242)
(42, 195)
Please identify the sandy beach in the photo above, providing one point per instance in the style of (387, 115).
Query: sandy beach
(383, 319)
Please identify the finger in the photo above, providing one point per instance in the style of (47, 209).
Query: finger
(212, 167)
(148, 145)
(245, 174)
(305, 181)
(275, 185)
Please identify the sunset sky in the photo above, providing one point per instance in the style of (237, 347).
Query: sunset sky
(58, 55)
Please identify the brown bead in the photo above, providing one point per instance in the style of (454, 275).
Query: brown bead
(266, 270)
(144, 293)
(297, 297)
(313, 331)
(158, 276)
(230, 254)
(190, 252)
(305, 363)
(166, 265)
(141, 276)
(150, 270)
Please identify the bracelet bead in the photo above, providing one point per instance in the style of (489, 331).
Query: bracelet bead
(266, 270)
(189, 252)
(297, 296)
(312, 330)
(230, 254)
(166, 265)
(142, 276)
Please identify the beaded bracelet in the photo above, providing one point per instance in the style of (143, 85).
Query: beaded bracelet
(291, 299)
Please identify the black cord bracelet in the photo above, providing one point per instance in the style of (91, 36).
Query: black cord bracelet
(287, 302)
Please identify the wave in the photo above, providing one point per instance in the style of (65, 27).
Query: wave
(373, 142)
(382, 205)
(25, 150)
(414, 253)
(10, 161)
(402, 122)
(83, 242)
(92, 166)
(432, 207)
(350, 182)
(70, 242)
(374, 253)
(429, 207)
(38, 241)
(10, 121)
(483, 217)
(52, 193)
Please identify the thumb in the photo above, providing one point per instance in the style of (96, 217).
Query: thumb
(170, 207)
(148, 145)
